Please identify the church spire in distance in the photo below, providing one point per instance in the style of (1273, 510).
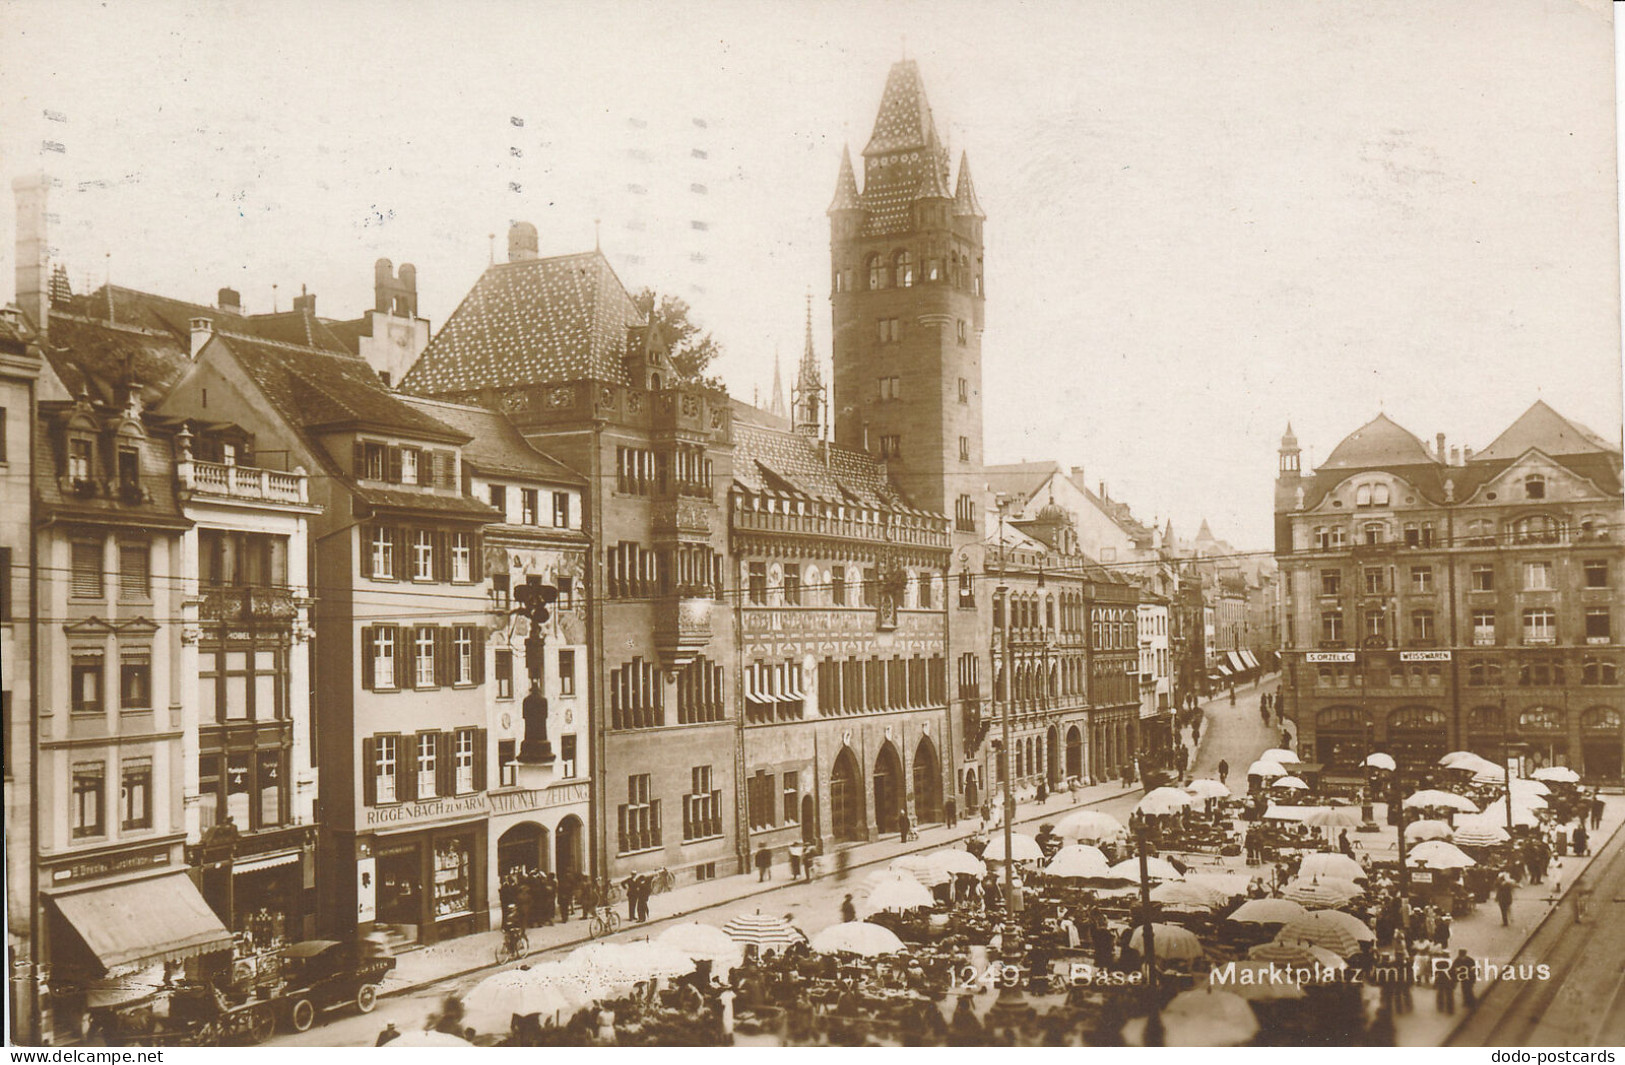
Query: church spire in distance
(808, 391)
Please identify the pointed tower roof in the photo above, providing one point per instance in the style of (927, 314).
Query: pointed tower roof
(965, 201)
(776, 407)
(807, 374)
(934, 183)
(1205, 533)
(1542, 427)
(1289, 439)
(904, 123)
(1379, 442)
(846, 186)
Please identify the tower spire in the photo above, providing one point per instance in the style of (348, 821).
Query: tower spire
(965, 202)
(777, 401)
(807, 394)
(846, 185)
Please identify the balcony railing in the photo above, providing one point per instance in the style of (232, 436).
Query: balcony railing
(242, 482)
(929, 533)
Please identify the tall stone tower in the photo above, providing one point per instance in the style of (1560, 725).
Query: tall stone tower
(908, 294)
(1288, 485)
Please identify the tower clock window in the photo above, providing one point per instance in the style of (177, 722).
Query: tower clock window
(891, 446)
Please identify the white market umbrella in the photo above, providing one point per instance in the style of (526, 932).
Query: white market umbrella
(1164, 801)
(900, 893)
(1522, 813)
(1479, 831)
(1023, 846)
(921, 868)
(1437, 854)
(1296, 952)
(1334, 817)
(1433, 799)
(1227, 885)
(1268, 911)
(1170, 941)
(1291, 783)
(1279, 755)
(1090, 826)
(1266, 768)
(766, 931)
(856, 937)
(491, 1004)
(1448, 761)
(1476, 765)
(1522, 787)
(1421, 831)
(1156, 869)
(1335, 930)
(1381, 761)
(702, 942)
(1328, 863)
(1079, 861)
(1206, 788)
(1556, 774)
(1201, 1017)
(1181, 895)
(1321, 892)
(953, 862)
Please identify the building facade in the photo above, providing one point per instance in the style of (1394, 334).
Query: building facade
(1437, 601)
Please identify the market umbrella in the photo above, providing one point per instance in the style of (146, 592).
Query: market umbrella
(1296, 952)
(1433, 799)
(1156, 869)
(1228, 885)
(856, 937)
(1201, 1017)
(1330, 863)
(1418, 831)
(1266, 768)
(1292, 783)
(1476, 765)
(1321, 893)
(1178, 894)
(1522, 812)
(1163, 801)
(1023, 846)
(1207, 788)
(1479, 831)
(426, 1039)
(1449, 761)
(630, 962)
(1279, 755)
(952, 862)
(1078, 861)
(1381, 761)
(1255, 980)
(921, 868)
(1522, 787)
(1172, 942)
(899, 893)
(578, 986)
(766, 931)
(1556, 774)
(1437, 854)
(1335, 930)
(1267, 911)
(1089, 826)
(491, 1004)
(702, 942)
(1334, 817)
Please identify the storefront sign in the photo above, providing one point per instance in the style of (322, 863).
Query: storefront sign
(1329, 656)
(366, 890)
(428, 810)
(1424, 656)
(513, 802)
(105, 865)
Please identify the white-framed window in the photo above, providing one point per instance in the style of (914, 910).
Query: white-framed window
(504, 674)
(383, 552)
(422, 555)
(423, 658)
(462, 556)
(1540, 626)
(561, 510)
(427, 744)
(409, 465)
(1421, 579)
(385, 764)
(465, 761)
(1484, 627)
(528, 510)
(1537, 576)
(383, 657)
(463, 645)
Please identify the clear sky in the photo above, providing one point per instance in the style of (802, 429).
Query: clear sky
(1204, 218)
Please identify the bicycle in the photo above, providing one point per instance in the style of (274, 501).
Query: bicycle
(605, 922)
(515, 945)
(664, 881)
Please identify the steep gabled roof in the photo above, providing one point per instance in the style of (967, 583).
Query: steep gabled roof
(769, 460)
(1379, 442)
(1021, 479)
(904, 122)
(496, 446)
(530, 322)
(1542, 427)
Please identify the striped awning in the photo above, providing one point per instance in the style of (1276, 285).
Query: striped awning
(144, 922)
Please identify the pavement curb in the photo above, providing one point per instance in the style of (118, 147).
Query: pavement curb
(458, 975)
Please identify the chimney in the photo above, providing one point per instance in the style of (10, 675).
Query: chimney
(1438, 445)
(1103, 489)
(522, 244)
(305, 302)
(202, 330)
(1077, 472)
(1466, 455)
(1455, 456)
(230, 301)
(33, 251)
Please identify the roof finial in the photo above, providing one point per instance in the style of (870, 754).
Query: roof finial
(273, 297)
(492, 239)
(596, 246)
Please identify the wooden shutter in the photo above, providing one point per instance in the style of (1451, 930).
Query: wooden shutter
(369, 776)
(479, 653)
(360, 469)
(366, 658)
(392, 472)
(403, 657)
(443, 674)
(440, 543)
(480, 740)
(449, 471)
(406, 762)
(445, 763)
(476, 560)
(403, 564)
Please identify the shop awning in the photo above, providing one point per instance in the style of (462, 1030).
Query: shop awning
(144, 921)
(1237, 663)
(270, 861)
(1224, 670)
(1250, 658)
(752, 692)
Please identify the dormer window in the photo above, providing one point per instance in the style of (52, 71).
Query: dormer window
(1362, 496)
(1534, 486)
(1379, 495)
(79, 460)
(129, 467)
(409, 465)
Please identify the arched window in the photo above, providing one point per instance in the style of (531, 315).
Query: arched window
(1326, 678)
(933, 269)
(1480, 534)
(1599, 671)
(1534, 486)
(1541, 719)
(1379, 495)
(1537, 529)
(903, 269)
(1593, 527)
(1362, 496)
(1484, 719)
(877, 272)
(1600, 719)
(1339, 717)
(1416, 717)
(1375, 532)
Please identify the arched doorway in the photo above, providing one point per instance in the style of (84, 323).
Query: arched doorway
(1340, 737)
(1417, 736)
(1601, 744)
(567, 847)
(973, 792)
(1052, 748)
(888, 784)
(1543, 732)
(809, 819)
(524, 846)
(1074, 752)
(846, 798)
(927, 782)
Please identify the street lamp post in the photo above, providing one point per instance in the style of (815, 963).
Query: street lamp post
(1011, 1005)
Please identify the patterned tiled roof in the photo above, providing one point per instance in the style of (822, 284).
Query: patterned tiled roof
(1379, 442)
(846, 186)
(778, 461)
(530, 322)
(904, 122)
(965, 201)
(497, 446)
(904, 158)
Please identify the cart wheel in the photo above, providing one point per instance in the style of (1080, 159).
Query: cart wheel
(261, 1023)
(366, 998)
(303, 1015)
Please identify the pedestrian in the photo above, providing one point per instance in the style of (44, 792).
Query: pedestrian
(646, 887)
(902, 826)
(1343, 844)
(1503, 898)
(630, 886)
(1466, 970)
(1224, 771)
(1232, 695)
(764, 864)
(1043, 793)
(567, 889)
(795, 861)
(1444, 988)
(1582, 840)
(1597, 807)
(950, 812)
(388, 1035)
(849, 912)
